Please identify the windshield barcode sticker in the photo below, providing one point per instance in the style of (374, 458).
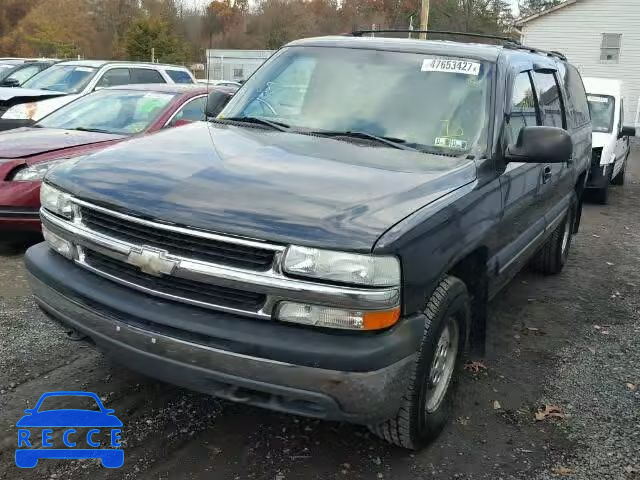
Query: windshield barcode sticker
(591, 98)
(450, 66)
(447, 142)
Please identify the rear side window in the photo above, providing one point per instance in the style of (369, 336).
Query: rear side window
(549, 100)
(115, 77)
(524, 112)
(179, 76)
(146, 75)
(577, 106)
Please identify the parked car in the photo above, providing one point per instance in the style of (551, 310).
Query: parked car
(18, 74)
(66, 81)
(610, 135)
(220, 83)
(332, 260)
(89, 124)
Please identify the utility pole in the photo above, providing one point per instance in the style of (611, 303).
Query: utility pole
(424, 18)
(153, 55)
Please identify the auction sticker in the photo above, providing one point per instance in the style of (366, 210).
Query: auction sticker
(450, 66)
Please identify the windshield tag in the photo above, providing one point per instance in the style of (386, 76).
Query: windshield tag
(448, 142)
(597, 99)
(450, 66)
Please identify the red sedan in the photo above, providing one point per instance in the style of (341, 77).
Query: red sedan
(91, 123)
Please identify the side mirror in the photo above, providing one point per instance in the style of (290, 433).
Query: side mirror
(11, 82)
(216, 102)
(29, 411)
(627, 131)
(541, 145)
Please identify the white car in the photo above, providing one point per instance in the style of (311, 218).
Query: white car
(219, 83)
(610, 135)
(66, 81)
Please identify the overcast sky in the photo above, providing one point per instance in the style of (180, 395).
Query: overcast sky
(514, 3)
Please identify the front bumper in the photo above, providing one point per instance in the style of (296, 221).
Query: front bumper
(19, 209)
(599, 175)
(353, 377)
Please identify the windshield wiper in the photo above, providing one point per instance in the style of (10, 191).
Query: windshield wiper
(94, 130)
(389, 141)
(283, 127)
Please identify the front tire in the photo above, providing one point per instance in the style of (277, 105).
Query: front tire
(554, 253)
(427, 403)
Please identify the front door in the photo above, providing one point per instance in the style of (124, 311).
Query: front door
(523, 223)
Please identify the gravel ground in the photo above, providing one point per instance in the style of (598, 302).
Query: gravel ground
(569, 341)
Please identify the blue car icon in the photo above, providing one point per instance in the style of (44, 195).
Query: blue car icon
(36, 420)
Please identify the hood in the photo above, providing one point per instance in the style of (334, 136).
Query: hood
(27, 142)
(601, 139)
(276, 186)
(8, 94)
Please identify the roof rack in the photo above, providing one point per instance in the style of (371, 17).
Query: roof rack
(551, 53)
(360, 33)
(508, 42)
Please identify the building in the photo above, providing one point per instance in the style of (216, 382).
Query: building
(234, 65)
(600, 37)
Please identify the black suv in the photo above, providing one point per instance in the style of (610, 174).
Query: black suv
(327, 246)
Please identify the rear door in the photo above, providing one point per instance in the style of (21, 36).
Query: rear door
(557, 178)
(523, 223)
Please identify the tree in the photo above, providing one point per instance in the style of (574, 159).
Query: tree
(531, 7)
(146, 34)
(68, 33)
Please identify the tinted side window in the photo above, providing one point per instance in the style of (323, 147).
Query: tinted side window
(192, 111)
(146, 75)
(577, 106)
(524, 112)
(549, 99)
(179, 76)
(113, 77)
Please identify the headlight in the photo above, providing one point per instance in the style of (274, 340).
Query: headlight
(22, 111)
(351, 268)
(55, 201)
(37, 172)
(33, 173)
(320, 316)
(59, 244)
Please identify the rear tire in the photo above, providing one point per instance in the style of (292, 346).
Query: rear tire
(427, 403)
(553, 254)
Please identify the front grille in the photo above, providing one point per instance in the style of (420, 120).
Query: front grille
(193, 247)
(596, 155)
(187, 289)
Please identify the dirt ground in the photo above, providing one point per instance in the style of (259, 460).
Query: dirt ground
(570, 341)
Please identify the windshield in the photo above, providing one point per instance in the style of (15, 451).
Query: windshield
(123, 112)
(602, 109)
(62, 78)
(426, 101)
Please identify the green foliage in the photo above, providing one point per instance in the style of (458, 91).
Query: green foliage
(531, 7)
(146, 34)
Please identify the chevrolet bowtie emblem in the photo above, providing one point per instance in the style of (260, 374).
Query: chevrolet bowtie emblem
(152, 261)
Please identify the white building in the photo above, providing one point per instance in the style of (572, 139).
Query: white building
(600, 37)
(234, 65)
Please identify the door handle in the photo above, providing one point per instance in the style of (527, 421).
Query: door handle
(546, 174)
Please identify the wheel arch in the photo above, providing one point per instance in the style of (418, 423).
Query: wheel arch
(472, 269)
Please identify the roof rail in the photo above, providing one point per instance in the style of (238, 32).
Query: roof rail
(552, 53)
(360, 33)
